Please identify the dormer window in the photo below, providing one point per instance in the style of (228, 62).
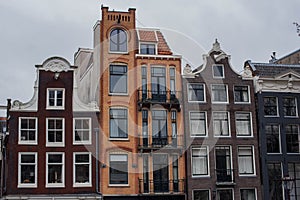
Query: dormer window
(55, 98)
(149, 49)
(118, 40)
(218, 71)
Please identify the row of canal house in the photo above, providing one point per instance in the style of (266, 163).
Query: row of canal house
(126, 122)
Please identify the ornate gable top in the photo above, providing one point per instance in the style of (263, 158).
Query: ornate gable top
(56, 64)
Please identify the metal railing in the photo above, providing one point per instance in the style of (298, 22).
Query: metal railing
(164, 96)
(160, 186)
(147, 141)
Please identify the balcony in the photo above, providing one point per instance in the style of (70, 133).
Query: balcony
(167, 99)
(225, 177)
(147, 142)
(158, 186)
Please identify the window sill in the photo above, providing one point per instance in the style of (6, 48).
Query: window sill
(201, 176)
(82, 143)
(242, 102)
(119, 185)
(119, 139)
(197, 102)
(77, 185)
(27, 143)
(118, 94)
(247, 175)
(55, 186)
(27, 186)
(55, 108)
(54, 145)
(220, 102)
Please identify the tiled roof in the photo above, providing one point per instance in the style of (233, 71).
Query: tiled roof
(147, 36)
(163, 47)
(272, 70)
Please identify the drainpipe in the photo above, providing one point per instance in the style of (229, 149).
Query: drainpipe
(97, 160)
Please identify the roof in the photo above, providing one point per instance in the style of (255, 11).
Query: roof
(155, 36)
(286, 56)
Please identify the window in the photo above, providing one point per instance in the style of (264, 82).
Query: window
(243, 124)
(246, 160)
(158, 84)
(82, 169)
(273, 138)
(172, 82)
(270, 106)
(144, 83)
(292, 138)
(147, 49)
(219, 94)
(275, 181)
(175, 173)
(118, 40)
(289, 106)
(27, 130)
(118, 169)
(241, 94)
(55, 132)
(201, 195)
(174, 127)
(196, 92)
(224, 194)
(159, 127)
(161, 179)
(248, 194)
(218, 71)
(294, 174)
(27, 170)
(221, 124)
(55, 170)
(55, 98)
(118, 79)
(118, 123)
(200, 161)
(224, 170)
(198, 124)
(145, 127)
(82, 130)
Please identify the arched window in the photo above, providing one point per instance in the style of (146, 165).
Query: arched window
(118, 40)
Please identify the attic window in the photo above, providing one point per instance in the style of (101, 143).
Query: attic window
(148, 49)
(218, 71)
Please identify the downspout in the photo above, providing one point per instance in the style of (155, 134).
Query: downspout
(97, 161)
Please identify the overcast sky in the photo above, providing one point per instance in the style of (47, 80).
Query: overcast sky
(34, 30)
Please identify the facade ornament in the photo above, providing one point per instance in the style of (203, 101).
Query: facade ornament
(216, 46)
(187, 70)
(247, 73)
(56, 65)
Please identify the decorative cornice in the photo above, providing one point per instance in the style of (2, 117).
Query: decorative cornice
(56, 65)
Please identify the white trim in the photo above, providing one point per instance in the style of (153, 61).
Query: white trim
(206, 128)
(253, 161)
(296, 103)
(88, 184)
(251, 125)
(204, 92)
(149, 43)
(277, 109)
(249, 96)
(82, 142)
(279, 137)
(28, 185)
(213, 72)
(207, 161)
(55, 144)
(56, 185)
(28, 142)
(212, 95)
(55, 107)
(229, 128)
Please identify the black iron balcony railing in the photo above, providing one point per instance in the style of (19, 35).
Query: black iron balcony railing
(224, 175)
(160, 186)
(146, 141)
(166, 98)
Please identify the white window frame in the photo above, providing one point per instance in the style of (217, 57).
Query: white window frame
(79, 142)
(206, 128)
(28, 142)
(296, 103)
(128, 174)
(251, 125)
(212, 94)
(27, 185)
(148, 43)
(253, 161)
(228, 119)
(55, 107)
(207, 160)
(56, 185)
(232, 192)
(213, 71)
(277, 109)
(249, 96)
(193, 197)
(279, 136)
(88, 184)
(204, 92)
(55, 144)
(255, 192)
(112, 93)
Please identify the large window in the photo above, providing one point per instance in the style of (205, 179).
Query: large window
(82, 169)
(118, 169)
(55, 170)
(82, 130)
(224, 194)
(224, 170)
(196, 92)
(55, 98)
(241, 94)
(221, 124)
(118, 123)
(246, 160)
(159, 127)
(275, 181)
(270, 106)
(118, 79)
(292, 138)
(201, 195)
(144, 82)
(158, 83)
(27, 130)
(219, 93)
(289, 106)
(243, 124)
(146, 48)
(200, 161)
(55, 132)
(172, 74)
(27, 170)
(272, 138)
(118, 40)
(218, 71)
(294, 174)
(198, 124)
(248, 194)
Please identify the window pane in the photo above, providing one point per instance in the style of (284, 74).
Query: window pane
(118, 123)
(275, 181)
(196, 92)
(241, 94)
(289, 106)
(118, 169)
(218, 71)
(272, 137)
(243, 124)
(245, 160)
(199, 161)
(292, 138)
(220, 124)
(198, 124)
(248, 194)
(118, 40)
(270, 106)
(219, 93)
(201, 195)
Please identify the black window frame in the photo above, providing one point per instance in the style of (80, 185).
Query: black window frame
(115, 119)
(118, 46)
